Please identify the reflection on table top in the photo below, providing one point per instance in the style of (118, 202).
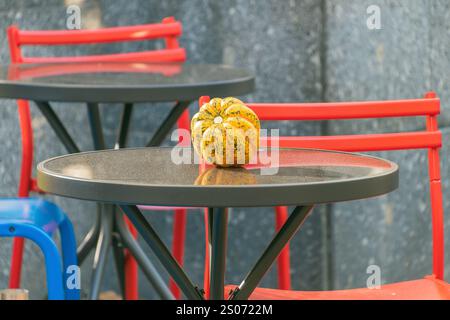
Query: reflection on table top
(120, 73)
(68, 77)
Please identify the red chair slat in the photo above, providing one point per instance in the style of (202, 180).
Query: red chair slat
(346, 110)
(165, 55)
(116, 34)
(359, 143)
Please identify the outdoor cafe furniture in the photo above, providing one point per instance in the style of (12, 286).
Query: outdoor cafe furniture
(127, 78)
(131, 177)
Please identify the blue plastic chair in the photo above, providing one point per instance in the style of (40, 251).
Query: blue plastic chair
(37, 220)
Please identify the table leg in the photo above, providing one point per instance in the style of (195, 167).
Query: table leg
(57, 126)
(144, 262)
(162, 253)
(218, 221)
(168, 123)
(101, 251)
(125, 119)
(90, 241)
(130, 266)
(96, 126)
(119, 255)
(287, 231)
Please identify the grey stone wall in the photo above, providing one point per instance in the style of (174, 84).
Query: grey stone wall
(404, 59)
(302, 50)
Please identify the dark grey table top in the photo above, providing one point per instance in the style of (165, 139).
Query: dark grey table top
(151, 176)
(121, 81)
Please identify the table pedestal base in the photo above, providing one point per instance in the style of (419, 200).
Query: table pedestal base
(217, 226)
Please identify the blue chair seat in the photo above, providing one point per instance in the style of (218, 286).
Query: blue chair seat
(37, 220)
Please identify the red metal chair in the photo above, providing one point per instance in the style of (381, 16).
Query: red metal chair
(431, 287)
(169, 30)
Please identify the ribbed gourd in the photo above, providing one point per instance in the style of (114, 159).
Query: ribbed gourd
(225, 132)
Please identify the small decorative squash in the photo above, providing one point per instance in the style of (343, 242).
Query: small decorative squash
(225, 132)
(225, 176)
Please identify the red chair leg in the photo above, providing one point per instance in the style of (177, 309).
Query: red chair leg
(179, 234)
(24, 186)
(283, 261)
(131, 269)
(16, 263)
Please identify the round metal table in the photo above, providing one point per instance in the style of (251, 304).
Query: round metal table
(170, 176)
(117, 82)
(121, 81)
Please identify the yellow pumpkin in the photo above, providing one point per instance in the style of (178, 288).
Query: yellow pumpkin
(225, 132)
(225, 176)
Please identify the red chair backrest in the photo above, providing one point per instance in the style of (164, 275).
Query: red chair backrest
(169, 30)
(430, 139)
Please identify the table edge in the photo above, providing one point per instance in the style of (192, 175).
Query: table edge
(175, 195)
